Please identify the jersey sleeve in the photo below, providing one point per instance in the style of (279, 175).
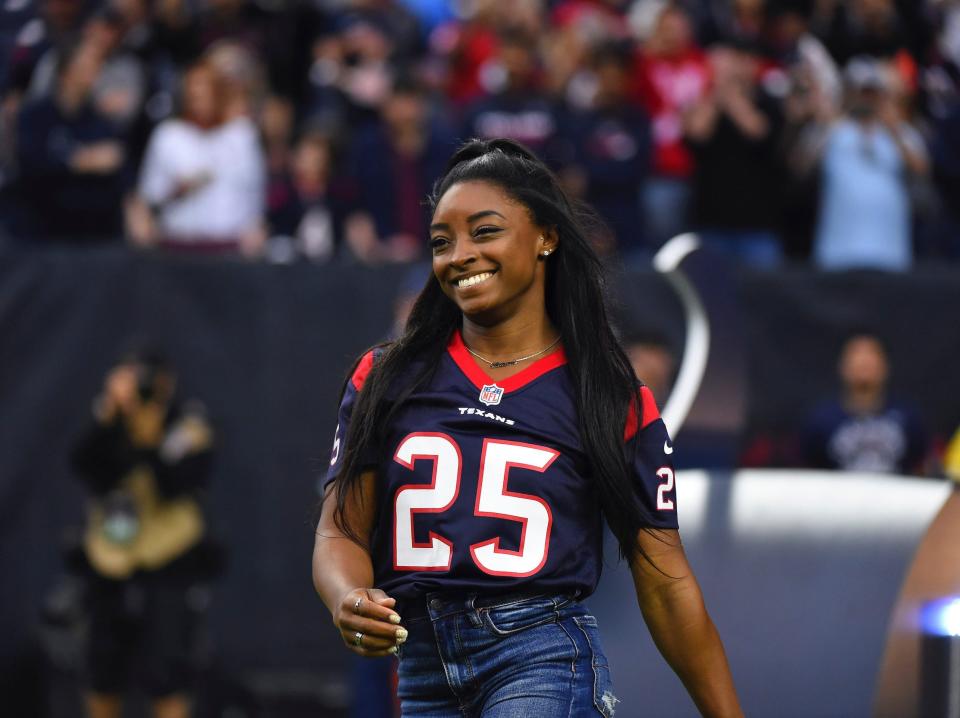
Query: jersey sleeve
(350, 395)
(650, 457)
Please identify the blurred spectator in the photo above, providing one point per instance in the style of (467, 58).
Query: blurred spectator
(305, 204)
(278, 34)
(70, 157)
(743, 20)
(515, 106)
(525, 69)
(867, 159)
(577, 29)
(354, 69)
(323, 100)
(653, 361)
(865, 27)
(609, 147)
(672, 75)
(276, 121)
(734, 133)
(145, 458)
(242, 23)
(245, 88)
(14, 16)
(56, 25)
(466, 47)
(202, 184)
(367, 73)
(235, 20)
(121, 83)
(396, 21)
(800, 52)
(864, 430)
(173, 26)
(813, 95)
(393, 166)
(464, 61)
(28, 30)
(940, 78)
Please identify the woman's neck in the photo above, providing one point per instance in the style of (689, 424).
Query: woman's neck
(510, 339)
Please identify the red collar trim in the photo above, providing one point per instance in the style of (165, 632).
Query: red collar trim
(468, 365)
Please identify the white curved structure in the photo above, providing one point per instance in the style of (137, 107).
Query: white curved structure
(697, 346)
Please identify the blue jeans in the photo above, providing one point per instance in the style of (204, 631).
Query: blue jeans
(509, 656)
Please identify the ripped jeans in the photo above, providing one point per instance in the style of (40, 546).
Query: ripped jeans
(508, 656)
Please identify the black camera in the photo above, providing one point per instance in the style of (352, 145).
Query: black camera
(146, 382)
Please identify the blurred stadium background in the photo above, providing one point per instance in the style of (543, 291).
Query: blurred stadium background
(242, 182)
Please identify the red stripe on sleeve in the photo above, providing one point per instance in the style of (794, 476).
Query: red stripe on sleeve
(362, 370)
(650, 414)
(650, 411)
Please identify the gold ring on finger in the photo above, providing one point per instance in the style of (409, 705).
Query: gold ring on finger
(357, 638)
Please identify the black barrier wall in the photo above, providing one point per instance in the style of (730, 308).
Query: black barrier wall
(266, 348)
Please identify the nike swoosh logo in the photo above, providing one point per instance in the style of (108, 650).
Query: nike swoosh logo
(667, 449)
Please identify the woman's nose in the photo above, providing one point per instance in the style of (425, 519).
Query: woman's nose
(464, 252)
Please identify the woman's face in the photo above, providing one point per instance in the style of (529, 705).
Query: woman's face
(487, 253)
(200, 97)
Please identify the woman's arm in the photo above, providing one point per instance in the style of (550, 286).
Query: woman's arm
(673, 609)
(343, 576)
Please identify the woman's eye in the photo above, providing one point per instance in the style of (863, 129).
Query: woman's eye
(437, 242)
(485, 229)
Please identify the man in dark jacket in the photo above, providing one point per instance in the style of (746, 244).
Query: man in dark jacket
(70, 157)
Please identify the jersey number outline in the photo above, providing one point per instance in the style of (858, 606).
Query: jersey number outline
(493, 500)
(663, 503)
(335, 453)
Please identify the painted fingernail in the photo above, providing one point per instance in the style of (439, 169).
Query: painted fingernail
(394, 618)
(402, 635)
(393, 650)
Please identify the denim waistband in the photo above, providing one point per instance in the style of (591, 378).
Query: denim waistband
(443, 603)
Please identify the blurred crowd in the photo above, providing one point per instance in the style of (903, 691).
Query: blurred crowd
(825, 131)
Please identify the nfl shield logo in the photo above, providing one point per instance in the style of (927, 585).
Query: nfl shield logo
(491, 394)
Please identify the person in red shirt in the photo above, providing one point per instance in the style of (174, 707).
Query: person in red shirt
(672, 74)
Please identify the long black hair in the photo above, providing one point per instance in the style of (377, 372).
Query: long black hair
(605, 385)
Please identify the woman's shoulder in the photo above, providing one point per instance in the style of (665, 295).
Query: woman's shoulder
(239, 128)
(372, 359)
(641, 413)
(174, 126)
(365, 363)
(174, 135)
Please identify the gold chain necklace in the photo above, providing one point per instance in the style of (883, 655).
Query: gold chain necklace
(512, 362)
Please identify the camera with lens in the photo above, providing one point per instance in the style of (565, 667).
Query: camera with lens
(146, 382)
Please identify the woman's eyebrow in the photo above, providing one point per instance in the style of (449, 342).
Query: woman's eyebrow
(472, 218)
(484, 213)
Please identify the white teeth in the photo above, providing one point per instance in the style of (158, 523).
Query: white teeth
(475, 279)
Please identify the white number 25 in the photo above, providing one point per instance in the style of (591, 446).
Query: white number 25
(493, 499)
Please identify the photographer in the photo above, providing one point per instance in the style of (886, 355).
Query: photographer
(145, 459)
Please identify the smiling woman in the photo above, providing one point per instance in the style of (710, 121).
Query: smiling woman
(463, 539)
(489, 263)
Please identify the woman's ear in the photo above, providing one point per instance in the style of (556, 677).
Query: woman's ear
(548, 242)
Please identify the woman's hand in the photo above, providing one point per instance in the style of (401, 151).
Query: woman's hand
(368, 624)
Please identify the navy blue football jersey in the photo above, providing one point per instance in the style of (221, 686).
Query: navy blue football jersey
(487, 486)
